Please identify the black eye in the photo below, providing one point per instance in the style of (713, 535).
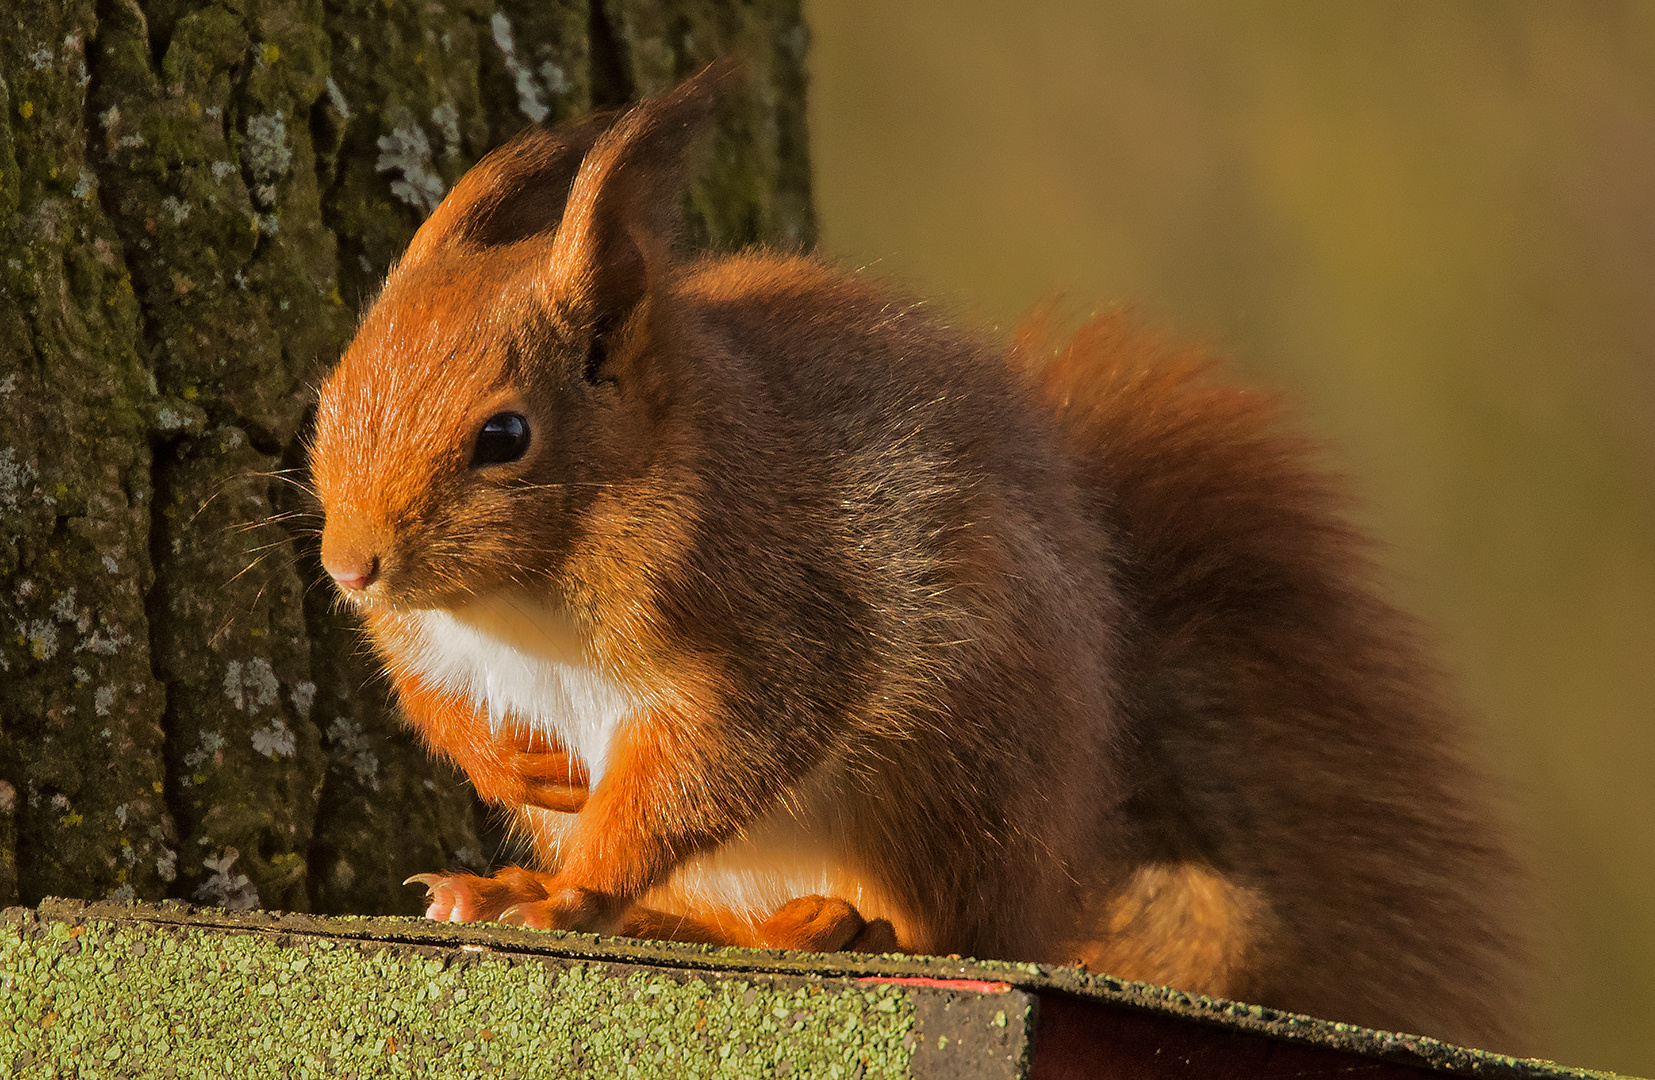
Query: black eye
(505, 437)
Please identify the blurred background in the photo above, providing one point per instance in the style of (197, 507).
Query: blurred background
(1432, 226)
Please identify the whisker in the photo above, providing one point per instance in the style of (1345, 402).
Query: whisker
(250, 566)
(553, 485)
(261, 548)
(312, 583)
(289, 477)
(290, 565)
(222, 631)
(208, 500)
(272, 519)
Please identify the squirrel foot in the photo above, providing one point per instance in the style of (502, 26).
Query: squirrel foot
(825, 924)
(569, 908)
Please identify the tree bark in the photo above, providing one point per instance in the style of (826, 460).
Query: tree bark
(196, 201)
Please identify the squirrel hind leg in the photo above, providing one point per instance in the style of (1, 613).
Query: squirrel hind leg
(826, 924)
(1183, 925)
(807, 923)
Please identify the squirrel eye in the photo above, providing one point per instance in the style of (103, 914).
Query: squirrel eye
(505, 437)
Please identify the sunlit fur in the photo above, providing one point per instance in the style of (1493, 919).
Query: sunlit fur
(1053, 652)
(511, 657)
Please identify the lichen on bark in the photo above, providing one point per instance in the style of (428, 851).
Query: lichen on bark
(196, 199)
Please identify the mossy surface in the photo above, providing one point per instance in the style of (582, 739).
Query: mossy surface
(104, 999)
(196, 198)
(951, 1018)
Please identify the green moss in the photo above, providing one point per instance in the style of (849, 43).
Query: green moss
(205, 46)
(110, 1000)
(131, 983)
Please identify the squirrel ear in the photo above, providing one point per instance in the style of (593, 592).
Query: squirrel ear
(624, 209)
(517, 191)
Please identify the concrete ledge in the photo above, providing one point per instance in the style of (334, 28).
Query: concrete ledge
(113, 990)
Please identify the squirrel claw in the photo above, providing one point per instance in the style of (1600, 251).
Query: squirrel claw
(543, 915)
(445, 900)
(434, 895)
(537, 915)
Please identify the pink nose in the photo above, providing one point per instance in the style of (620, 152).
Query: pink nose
(353, 575)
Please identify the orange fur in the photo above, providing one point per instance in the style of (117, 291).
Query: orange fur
(869, 633)
(517, 768)
(1183, 925)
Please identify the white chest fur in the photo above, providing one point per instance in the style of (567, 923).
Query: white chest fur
(517, 658)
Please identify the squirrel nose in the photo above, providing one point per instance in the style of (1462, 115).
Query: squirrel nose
(353, 572)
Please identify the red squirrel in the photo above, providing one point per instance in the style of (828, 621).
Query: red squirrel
(781, 612)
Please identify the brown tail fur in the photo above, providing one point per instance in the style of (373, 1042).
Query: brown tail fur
(1309, 831)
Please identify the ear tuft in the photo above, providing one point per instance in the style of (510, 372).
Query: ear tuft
(624, 209)
(518, 190)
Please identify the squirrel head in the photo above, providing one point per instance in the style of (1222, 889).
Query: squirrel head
(509, 371)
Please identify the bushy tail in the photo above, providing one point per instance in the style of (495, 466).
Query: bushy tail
(1288, 732)
(1220, 510)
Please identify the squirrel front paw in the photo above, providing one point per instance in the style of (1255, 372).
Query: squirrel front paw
(570, 908)
(471, 898)
(520, 897)
(549, 776)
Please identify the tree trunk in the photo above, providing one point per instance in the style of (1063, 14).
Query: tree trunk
(196, 201)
